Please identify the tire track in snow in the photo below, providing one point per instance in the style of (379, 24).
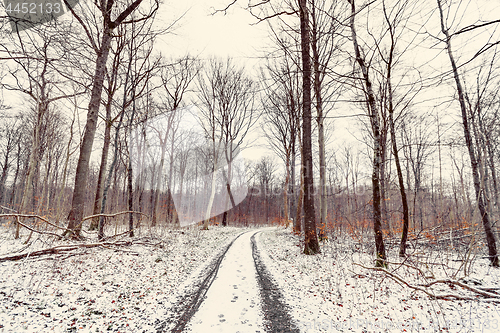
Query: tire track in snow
(273, 310)
(192, 300)
(276, 316)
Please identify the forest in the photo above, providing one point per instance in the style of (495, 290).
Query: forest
(372, 124)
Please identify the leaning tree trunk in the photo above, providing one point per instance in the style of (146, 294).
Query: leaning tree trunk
(76, 213)
(404, 199)
(490, 236)
(374, 118)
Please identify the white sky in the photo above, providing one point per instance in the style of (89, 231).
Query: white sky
(200, 33)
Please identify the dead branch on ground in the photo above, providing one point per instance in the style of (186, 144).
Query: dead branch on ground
(64, 248)
(426, 288)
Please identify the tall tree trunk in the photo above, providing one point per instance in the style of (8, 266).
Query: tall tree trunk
(286, 189)
(392, 127)
(102, 168)
(404, 199)
(321, 131)
(374, 118)
(292, 198)
(130, 175)
(300, 199)
(112, 170)
(216, 156)
(383, 182)
(170, 200)
(229, 199)
(76, 213)
(64, 173)
(31, 179)
(399, 170)
(16, 175)
(311, 245)
(3, 177)
(130, 198)
(490, 236)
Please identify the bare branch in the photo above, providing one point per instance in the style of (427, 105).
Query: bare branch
(17, 216)
(110, 215)
(274, 15)
(475, 26)
(225, 9)
(31, 216)
(79, 19)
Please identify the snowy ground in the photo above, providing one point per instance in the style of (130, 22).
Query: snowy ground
(119, 289)
(328, 293)
(132, 288)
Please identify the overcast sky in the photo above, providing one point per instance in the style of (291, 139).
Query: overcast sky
(201, 33)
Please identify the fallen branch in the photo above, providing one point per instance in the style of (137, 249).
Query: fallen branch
(465, 286)
(32, 216)
(54, 250)
(17, 216)
(427, 292)
(112, 215)
(62, 249)
(120, 234)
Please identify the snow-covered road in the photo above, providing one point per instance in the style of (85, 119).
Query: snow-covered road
(232, 302)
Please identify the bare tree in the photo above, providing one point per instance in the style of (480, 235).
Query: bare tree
(480, 200)
(141, 67)
(226, 105)
(10, 136)
(177, 79)
(311, 245)
(325, 42)
(37, 58)
(373, 113)
(282, 117)
(265, 170)
(112, 79)
(106, 9)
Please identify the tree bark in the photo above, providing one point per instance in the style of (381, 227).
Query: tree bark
(311, 245)
(321, 132)
(82, 169)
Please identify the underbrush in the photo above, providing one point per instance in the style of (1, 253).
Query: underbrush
(340, 289)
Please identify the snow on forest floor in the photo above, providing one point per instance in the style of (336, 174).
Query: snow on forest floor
(119, 289)
(130, 288)
(329, 293)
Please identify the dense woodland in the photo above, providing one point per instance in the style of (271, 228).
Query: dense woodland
(91, 123)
